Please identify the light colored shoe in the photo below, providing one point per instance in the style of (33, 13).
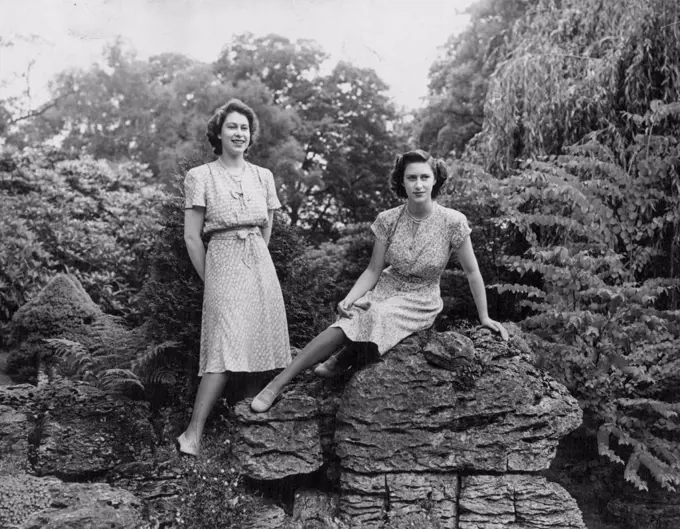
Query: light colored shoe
(264, 400)
(330, 369)
(187, 447)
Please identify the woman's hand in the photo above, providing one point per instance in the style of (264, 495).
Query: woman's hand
(495, 326)
(343, 309)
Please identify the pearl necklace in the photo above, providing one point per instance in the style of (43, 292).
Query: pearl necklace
(416, 220)
(236, 176)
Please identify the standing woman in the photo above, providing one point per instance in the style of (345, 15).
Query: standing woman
(244, 327)
(398, 294)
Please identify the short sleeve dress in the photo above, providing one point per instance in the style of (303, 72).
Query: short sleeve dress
(407, 298)
(244, 327)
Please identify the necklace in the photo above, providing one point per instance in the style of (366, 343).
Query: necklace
(417, 220)
(237, 175)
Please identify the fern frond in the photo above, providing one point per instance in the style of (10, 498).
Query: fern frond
(62, 347)
(161, 376)
(74, 357)
(151, 355)
(603, 436)
(117, 380)
(631, 471)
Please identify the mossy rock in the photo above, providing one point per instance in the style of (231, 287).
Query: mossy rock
(22, 361)
(62, 306)
(61, 310)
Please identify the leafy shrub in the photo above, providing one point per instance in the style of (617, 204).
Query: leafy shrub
(172, 296)
(599, 230)
(93, 219)
(338, 264)
(477, 194)
(305, 290)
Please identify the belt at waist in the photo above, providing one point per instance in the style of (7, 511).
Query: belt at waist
(410, 282)
(245, 235)
(240, 232)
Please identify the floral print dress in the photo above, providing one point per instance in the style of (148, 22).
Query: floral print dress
(244, 325)
(407, 298)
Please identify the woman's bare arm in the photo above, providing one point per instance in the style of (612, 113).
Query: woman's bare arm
(467, 259)
(193, 224)
(367, 279)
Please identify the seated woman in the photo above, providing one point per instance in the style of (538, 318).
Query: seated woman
(387, 304)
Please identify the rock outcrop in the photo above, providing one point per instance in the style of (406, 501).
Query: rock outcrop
(16, 413)
(82, 432)
(29, 502)
(55, 437)
(446, 429)
(408, 431)
(58, 434)
(281, 443)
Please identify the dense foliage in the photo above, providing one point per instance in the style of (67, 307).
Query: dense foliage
(578, 157)
(90, 218)
(596, 282)
(326, 137)
(576, 68)
(459, 78)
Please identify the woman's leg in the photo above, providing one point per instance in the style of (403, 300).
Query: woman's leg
(337, 363)
(314, 352)
(209, 390)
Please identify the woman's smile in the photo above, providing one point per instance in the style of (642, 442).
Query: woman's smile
(235, 133)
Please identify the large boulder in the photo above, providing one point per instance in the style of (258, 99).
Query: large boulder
(82, 432)
(282, 442)
(29, 502)
(402, 413)
(409, 433)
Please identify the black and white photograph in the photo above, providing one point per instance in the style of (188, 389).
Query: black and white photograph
(339, 264)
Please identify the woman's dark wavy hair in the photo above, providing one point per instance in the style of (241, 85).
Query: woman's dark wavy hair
(217, 120)
(438, 166)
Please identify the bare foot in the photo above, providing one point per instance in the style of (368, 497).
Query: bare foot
(188, 445)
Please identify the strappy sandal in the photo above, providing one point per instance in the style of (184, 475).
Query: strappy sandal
(263, 400)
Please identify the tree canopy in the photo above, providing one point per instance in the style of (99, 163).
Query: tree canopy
(326, 137)
(460, 77)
